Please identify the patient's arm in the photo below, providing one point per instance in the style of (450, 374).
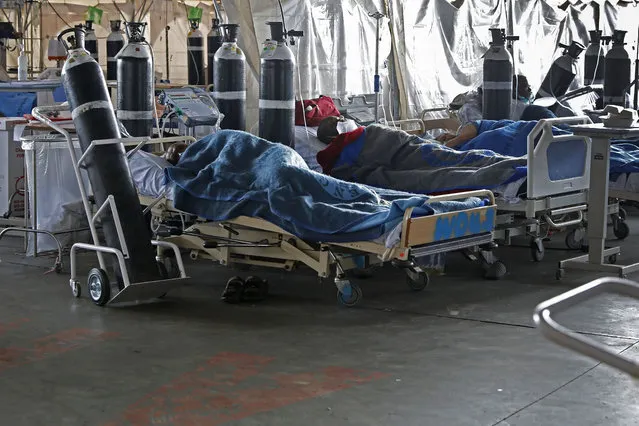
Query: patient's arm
(466, 133)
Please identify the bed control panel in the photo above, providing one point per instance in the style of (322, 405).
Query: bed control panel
(193, 106)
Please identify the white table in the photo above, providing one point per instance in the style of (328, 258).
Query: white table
(598, 202)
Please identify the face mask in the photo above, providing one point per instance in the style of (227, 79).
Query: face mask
(346, 126)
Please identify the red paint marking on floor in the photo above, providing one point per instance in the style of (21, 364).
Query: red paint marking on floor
(186, 393)
(9, 326)
(58, 343)
(225, 389)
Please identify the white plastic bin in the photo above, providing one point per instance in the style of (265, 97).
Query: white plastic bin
(55, 203)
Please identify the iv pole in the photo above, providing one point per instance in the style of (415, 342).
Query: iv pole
(377, 82)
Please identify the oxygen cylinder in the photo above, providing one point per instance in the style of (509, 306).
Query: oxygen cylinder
(497, 88)
(135, 82)
(115, 43)
(617, 72)
(214, 41)
(594, 61)
(277, 93)
(91, 41)
(229, 84)
(195, 53)
(562, 72)
(107, 167)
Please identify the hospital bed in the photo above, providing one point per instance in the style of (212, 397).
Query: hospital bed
(247, 241)
(546, 205)
(250, 241)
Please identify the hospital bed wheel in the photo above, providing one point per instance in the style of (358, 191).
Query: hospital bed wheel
(623, 214)
(76, 289)
(255, 289)
(495, 271)
(350, 295)
(612, 259)
(621, 230)
(169, 267)
(574, 238)
(418, 283)
(234, 290)
(537, 250)
(99, 286)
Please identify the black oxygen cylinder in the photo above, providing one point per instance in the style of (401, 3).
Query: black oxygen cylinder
(91, 41)
(594, 65)
(115, 43)
(617, 72)
(229, 84)
(497, 88)
(195, 53)
(107, 167)
(562, 72)
(594, 60)
(135, 82)
(277, 92)
(214, 41)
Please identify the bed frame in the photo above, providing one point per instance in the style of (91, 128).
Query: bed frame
(247, 241)
(549, 205)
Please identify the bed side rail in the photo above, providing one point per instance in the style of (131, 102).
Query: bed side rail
(539, 174)
(563, 336)
(451, 225)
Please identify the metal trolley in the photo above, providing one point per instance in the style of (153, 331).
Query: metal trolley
(570, 339)
(98, 283)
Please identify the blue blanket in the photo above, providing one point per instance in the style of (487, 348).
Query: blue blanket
(231, 174)
(510, 138)
(17, 104)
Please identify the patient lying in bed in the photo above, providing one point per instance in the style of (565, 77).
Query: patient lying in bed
(231, 174)
(147, 170)
(487, 155)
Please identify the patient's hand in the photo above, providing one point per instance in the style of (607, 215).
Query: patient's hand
(445, 137)
(172, 154)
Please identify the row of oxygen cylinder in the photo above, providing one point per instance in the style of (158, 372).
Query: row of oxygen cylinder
(226, 72)
(115, 43)
(131, 65)
(132, 68)
(612, 69)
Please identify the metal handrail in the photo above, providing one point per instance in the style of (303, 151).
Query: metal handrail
(570, 339)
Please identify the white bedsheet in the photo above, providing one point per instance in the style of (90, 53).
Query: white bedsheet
(147, 171)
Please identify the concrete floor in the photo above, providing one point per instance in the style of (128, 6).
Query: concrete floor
(463, 352)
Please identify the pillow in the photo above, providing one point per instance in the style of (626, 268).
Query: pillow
(147, 171)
